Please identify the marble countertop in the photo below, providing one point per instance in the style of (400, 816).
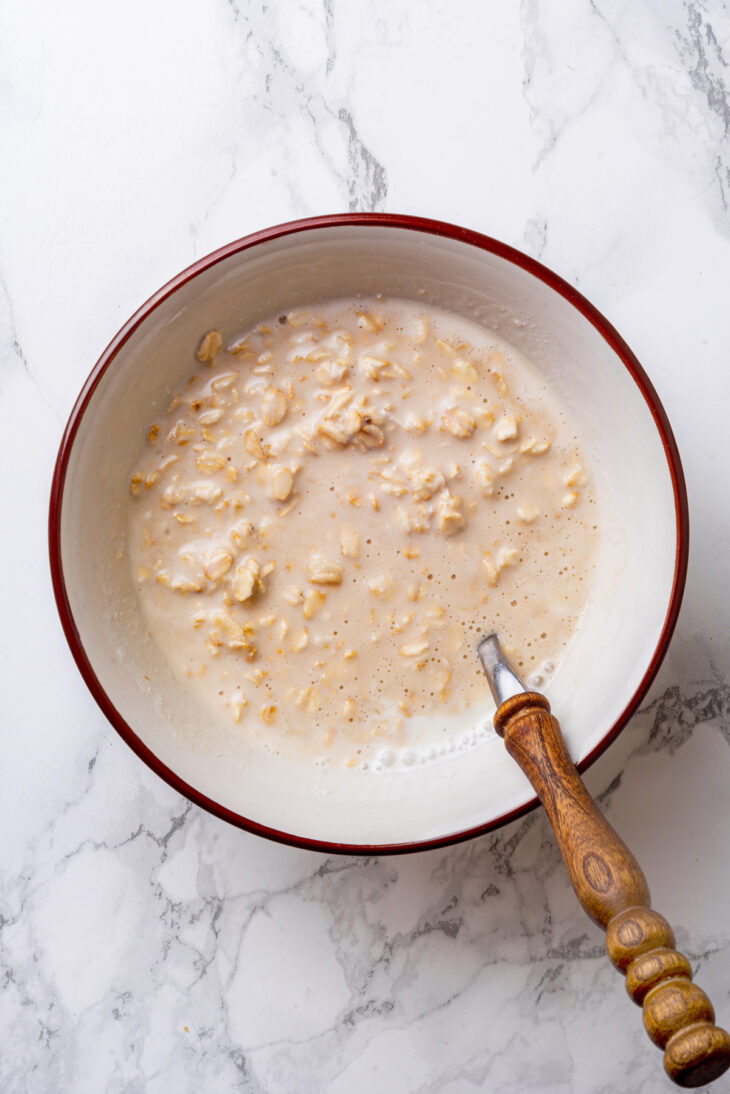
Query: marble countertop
(144, 945)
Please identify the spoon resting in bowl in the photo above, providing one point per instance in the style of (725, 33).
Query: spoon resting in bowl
(608, 882)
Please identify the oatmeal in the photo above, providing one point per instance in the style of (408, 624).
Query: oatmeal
(340, 503)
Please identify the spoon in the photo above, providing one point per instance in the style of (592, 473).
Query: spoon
(608, 882)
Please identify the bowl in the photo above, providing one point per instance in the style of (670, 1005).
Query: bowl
(639, 577)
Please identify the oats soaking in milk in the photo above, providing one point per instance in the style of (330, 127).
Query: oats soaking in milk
(335, 509)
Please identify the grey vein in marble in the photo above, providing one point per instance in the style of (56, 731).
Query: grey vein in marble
(701, 49)
(313, 101)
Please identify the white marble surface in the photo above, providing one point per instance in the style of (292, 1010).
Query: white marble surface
(145, 946)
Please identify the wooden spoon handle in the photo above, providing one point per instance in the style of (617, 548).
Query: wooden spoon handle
(607, 879)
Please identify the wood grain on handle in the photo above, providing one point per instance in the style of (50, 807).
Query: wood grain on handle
(678, 1016)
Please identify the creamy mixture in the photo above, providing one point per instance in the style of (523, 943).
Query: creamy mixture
(340, 504)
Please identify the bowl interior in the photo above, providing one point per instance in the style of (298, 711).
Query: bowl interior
(615, 642)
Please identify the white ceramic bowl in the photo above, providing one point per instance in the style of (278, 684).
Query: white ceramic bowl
(640, 574)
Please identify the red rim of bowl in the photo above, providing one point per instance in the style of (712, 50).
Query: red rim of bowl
(410, 223)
